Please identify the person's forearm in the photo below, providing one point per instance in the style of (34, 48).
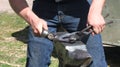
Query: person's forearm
(18, 5)
(96, 6)
(95, 18)
(21, 8)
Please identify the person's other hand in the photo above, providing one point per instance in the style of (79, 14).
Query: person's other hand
(97, 22)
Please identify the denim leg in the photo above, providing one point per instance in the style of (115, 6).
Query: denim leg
(95, 48)
(70, 23)
(39, 50)
(89, 1)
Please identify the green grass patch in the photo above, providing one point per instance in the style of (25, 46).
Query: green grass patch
(10, 23)
(13, 38)
(5, 65)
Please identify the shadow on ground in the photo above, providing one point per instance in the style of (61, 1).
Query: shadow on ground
(112, 56)
(112, 53)
(21, 35)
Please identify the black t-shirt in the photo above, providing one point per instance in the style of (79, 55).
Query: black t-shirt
(47, 9)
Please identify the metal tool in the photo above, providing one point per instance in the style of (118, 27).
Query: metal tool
(69, 37)
(65, 36)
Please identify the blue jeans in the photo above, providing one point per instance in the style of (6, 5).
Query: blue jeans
(40, 49)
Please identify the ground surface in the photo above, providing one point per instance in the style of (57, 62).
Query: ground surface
(4, 5)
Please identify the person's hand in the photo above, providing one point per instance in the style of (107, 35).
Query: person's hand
(39, 26)
(97, 22)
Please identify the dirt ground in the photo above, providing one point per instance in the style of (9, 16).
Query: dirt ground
(112, 56)
(5, 7)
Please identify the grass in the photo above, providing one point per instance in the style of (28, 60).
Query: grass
(13, 41)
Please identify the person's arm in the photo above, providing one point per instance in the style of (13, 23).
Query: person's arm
(22, 9)
(95, 18)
